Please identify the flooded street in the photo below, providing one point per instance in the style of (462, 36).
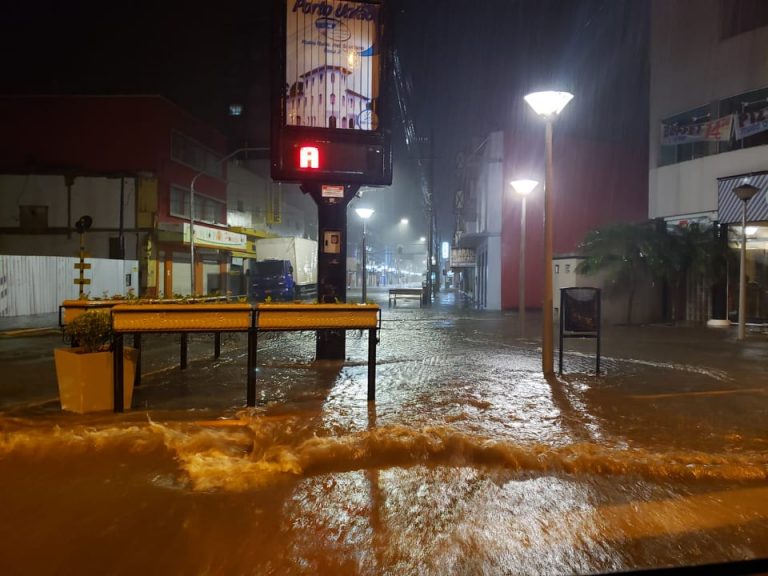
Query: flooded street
(470, 462)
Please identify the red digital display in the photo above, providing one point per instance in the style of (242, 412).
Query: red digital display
(309, 158)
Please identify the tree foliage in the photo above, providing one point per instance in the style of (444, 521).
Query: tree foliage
(627, 252)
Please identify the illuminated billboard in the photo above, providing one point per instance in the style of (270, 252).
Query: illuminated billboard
(332, 64)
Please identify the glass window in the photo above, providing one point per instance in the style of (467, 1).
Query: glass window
(671, 154)
(187, 151)
(207, 209)
(179, 202)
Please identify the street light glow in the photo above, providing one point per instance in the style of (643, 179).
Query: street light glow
(403, 220)
(524, 187)
(549, 103)
(364, 213)
(422, 239)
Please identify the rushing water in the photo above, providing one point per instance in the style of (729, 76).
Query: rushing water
(470, 462)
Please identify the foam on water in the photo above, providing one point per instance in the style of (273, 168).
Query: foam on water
(258, 450)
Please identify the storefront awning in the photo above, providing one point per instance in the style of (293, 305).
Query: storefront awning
(729, 207)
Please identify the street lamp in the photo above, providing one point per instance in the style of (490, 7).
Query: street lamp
(364, 213)
(523, 188)
(745, 192)
(548, 105)
(192, 212)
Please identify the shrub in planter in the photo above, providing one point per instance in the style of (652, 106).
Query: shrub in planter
(84, 373)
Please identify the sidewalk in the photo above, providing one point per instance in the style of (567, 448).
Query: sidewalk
(28, 325)
(27, 343)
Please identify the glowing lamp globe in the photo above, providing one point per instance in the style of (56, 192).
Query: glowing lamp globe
(548, 103)
(524, 187)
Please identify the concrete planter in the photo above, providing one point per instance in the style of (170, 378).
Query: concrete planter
(85, 379)
(181, 317)
(71, 309)
(317, 316)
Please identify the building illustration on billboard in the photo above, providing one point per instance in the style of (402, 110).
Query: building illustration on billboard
(331, 64)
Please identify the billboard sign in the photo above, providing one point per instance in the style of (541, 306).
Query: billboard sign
(329, 120)
(332, 64)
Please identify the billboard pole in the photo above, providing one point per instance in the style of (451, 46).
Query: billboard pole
(332, 201)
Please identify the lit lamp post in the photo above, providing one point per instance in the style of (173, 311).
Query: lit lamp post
(523, 188)
(745, 192)
(364, 213)
(548, 105)
(192, 212)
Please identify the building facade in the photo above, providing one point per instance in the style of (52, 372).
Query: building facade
(128, 163)
(595, 183)
(708, 134)
(342, 108)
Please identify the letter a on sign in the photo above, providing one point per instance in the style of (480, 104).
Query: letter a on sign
(309, 157)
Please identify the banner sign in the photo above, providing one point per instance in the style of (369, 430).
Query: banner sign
(751, 123)
(216, 237)
(462, 257)
(332, 64)
(714, 131)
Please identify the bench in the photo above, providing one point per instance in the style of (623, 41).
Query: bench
(395, 293)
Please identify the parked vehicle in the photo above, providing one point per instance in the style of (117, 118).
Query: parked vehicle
(284, 269)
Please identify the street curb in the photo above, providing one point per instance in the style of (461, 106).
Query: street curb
(24, 332)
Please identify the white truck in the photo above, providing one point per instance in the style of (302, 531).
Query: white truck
(284, 269)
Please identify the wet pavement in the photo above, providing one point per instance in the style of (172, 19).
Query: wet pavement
(470, 462)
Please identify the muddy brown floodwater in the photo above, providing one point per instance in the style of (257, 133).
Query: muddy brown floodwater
(470, 462)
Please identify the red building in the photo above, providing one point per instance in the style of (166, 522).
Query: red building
(595, 183)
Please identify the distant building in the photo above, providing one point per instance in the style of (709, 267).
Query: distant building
(709, 133)
(595, 183)
(128, 162)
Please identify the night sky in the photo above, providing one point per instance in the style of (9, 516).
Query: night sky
(468, 65)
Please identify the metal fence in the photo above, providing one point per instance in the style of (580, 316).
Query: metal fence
(38, 284)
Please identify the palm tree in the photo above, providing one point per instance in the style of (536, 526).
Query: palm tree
(679, 253)
(621, 251)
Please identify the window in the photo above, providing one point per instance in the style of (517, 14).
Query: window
(672, 154)
(333, 77)
(207, 209)
(344, 122)
(187, 151)
(333, 99)
(235, 109)
(749, 107)
(567, 268)
(351, 121)
(332, 122)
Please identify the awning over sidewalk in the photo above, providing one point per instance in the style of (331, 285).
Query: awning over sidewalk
(730, 207)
